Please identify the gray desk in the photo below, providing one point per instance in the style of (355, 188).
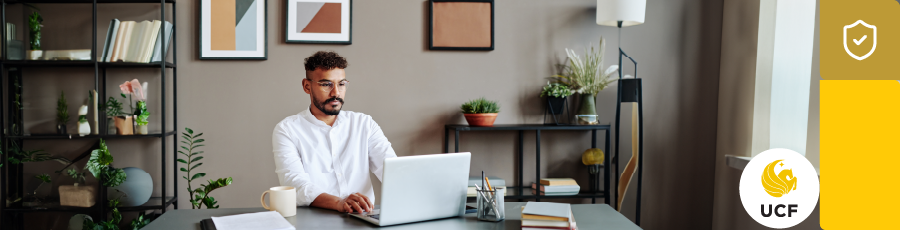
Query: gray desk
(587, 216)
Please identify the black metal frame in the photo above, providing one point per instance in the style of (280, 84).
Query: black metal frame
(10, 175)
(287, 29)
(556, 117)
(632, 93)
(431, 27)
(538, 128)
(200, 39)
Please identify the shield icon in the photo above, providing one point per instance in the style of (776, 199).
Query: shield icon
(860, 40)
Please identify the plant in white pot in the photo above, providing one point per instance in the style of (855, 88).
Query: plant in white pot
(83, 127)
(34, 31)
(78, 194)
(585, 77)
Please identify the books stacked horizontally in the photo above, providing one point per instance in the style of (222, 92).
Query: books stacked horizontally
(130, 41)
(495, 181)
(556, 187)
(547, 215)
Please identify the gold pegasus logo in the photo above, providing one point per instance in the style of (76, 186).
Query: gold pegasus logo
(780, 184)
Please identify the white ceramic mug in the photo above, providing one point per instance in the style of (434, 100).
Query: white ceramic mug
(283, 199)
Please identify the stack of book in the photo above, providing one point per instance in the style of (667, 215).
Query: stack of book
(130, 41)
(547, 215)
(556, 187)
(495, 181)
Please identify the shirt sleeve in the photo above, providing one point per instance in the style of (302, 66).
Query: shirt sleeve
(289, 167)
(379, 149)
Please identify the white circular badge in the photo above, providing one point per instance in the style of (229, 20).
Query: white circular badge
(779, 188)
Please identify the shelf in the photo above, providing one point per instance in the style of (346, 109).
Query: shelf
(512, 193)
(516, 127)
(85, 1)
(75, 136)
(84, 64)
(152, 204)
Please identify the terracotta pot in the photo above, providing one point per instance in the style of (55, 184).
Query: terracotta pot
(124, 125)
(481, 119)
(78, 196)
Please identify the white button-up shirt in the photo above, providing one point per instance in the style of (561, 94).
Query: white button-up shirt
(316, 158)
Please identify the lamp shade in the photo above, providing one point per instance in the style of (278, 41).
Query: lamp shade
(630, 12)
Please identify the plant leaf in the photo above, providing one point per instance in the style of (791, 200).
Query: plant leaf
(197, 159)
(198, 135)
(189, 130)
(182, 161)
(195, 153)
(195, 166)
(199, 140)
(183, 170)
(198, 175)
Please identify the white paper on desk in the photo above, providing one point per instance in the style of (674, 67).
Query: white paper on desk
(253, 221)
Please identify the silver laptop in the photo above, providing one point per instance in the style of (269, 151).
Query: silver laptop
(420, 188)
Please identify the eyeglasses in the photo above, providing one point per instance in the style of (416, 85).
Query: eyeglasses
(327, 86)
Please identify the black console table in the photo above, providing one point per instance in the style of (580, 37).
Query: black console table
(519, 192)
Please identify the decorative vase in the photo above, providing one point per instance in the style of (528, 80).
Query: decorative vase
(556, 104)
(84, 128)
(141, 129)
(110, 126)
(587, 112)
(34, 54)
(135, 190)
(61, 129)
(78, 196)
(481, 119)
(124, 125)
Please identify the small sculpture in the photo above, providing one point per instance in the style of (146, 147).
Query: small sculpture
(83, 127)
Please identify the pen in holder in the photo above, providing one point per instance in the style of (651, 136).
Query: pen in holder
(490, 204)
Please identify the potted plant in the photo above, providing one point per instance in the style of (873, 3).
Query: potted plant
(141, 118)
(34, 29)
(480, 112)
(77, 195)
(113, 109)
(62, 114)
(198, 196)
(585, 77)
(136, 92)
(556, 94)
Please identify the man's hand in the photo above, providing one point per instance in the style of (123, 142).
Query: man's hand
(354, 203)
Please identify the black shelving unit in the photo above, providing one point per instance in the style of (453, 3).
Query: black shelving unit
(522, 191)
(11, 180)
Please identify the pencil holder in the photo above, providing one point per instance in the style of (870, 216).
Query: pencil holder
(490, 204)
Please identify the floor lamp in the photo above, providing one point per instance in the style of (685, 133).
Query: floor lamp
(624, 13)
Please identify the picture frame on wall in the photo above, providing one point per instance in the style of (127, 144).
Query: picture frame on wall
(233, 29)
(319, 21)
(461, 25)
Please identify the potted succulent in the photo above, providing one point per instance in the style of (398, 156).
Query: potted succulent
(480, 112)
(584, 76)
(62, 114)
(77, 195)
(556, 94)
(34, 29)
(113, 109)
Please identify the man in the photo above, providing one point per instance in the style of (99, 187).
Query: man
(326, 153)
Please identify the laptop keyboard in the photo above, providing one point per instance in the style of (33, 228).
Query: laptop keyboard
(375, 216)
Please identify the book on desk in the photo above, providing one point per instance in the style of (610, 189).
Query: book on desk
(547, 215)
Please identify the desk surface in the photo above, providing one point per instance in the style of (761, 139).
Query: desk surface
(587, 216)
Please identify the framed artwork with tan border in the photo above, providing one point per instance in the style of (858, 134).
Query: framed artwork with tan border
(233, 29)
(461, 25)
(318, 21)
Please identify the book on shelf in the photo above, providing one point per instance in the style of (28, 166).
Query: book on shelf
(558, 181)
(555, 188)
(547, 215)
(533, 192)
(140, 42)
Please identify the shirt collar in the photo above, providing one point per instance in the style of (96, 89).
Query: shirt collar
(307, 114)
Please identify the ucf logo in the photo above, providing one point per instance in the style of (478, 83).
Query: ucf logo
(779, 188)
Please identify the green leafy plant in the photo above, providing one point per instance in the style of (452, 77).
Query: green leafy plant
(113, 107)
(99, 165)
(34, 29)
(144, 114)
(584, 74)
(75, 174)
(139, 222)
(111, 224)
(555, 90)
(480, 105)
(62, 109)
(45, 179)
(199, 196)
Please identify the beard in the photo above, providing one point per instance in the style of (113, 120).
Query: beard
(329, 109)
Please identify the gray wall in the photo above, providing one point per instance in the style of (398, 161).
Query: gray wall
(412, 92)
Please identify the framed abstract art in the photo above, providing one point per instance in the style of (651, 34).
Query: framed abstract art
(318, 21)
(233, 29)
(461, 25)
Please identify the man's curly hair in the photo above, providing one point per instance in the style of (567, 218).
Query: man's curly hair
(325, 60)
